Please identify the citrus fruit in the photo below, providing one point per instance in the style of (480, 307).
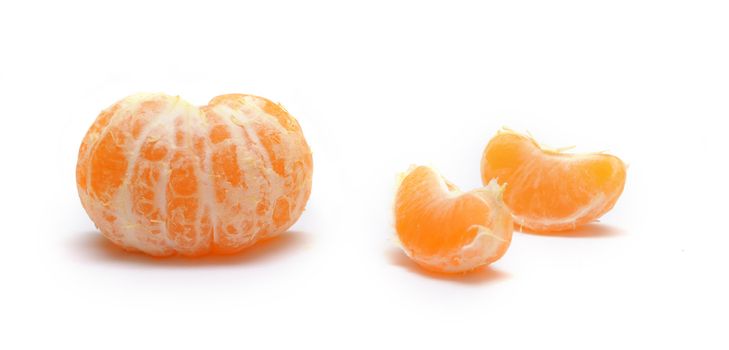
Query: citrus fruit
(548, 190)
(446, 230)
(160, 176)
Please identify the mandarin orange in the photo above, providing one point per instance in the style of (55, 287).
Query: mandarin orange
(160, 176)
(549, 190)
(446, 230)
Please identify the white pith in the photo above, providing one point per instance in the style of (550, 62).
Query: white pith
(595, 205)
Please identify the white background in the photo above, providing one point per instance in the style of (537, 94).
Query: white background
(377, 87)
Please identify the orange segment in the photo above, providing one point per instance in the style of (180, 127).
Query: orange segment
(444, 229)
(225, 166)
(548, 190)
(182, 203)
(101, 123)
(108, 166)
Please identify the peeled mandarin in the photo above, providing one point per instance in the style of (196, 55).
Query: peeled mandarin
(549, 190)
(161, 176)
(446, 230)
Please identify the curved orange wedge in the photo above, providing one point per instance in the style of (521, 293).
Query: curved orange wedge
(446, 230)
(548, 190)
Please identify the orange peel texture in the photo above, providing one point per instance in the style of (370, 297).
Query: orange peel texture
(160, 176)
(548, 190)
(446, 230)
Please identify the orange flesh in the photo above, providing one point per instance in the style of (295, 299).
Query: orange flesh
(436, 223)
(548, 190)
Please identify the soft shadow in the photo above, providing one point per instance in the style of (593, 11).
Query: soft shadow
(593, 230)
(94, 246)
(481, 275)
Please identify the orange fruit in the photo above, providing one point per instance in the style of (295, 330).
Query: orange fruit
(446, 230)
(548, 190)
(160, 176)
